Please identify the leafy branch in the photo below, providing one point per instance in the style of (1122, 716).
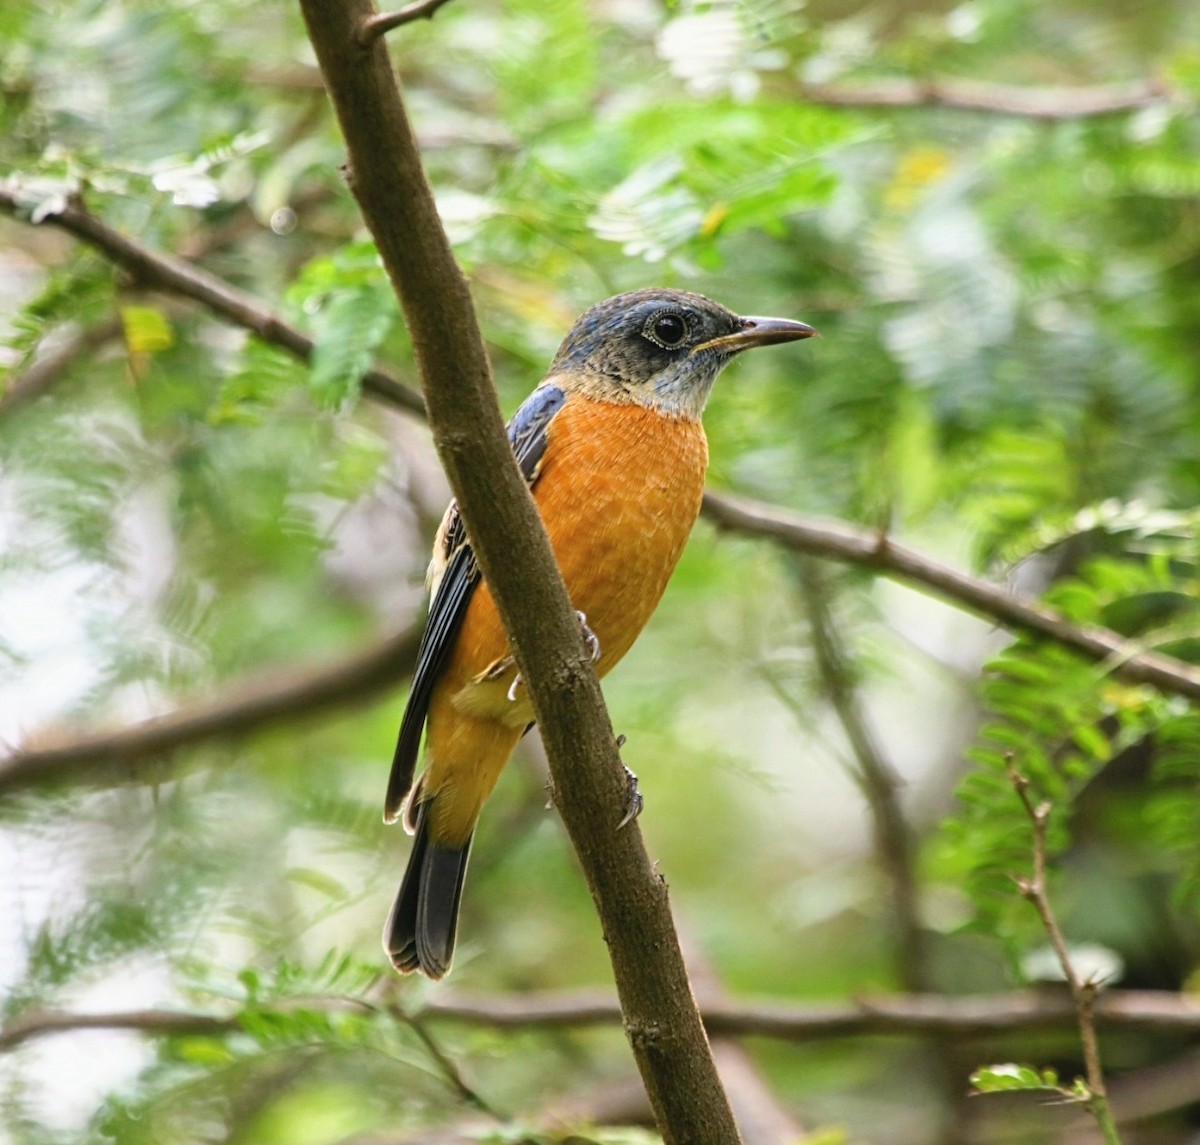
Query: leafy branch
(154, 270)
(1083, 991)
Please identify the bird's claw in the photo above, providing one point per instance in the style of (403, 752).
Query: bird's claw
(589, 637)
(633, 808)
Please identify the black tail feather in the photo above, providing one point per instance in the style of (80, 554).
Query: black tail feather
(422, 927)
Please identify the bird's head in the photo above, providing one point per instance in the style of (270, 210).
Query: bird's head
(661, 348)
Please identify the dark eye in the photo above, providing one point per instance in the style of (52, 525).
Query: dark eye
(668, 330)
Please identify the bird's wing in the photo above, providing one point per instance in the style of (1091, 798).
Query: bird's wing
(528, 433)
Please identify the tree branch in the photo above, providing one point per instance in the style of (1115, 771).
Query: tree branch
(157, 1023)
(876, 778)
(245, 706)
(961, 1016)
(660, 1015)
(877, 551)
(39, 376)
(1047, 103)
(1084, 992)
(156, 271)
(449, 1069)
(375, 26)
(761, 1117)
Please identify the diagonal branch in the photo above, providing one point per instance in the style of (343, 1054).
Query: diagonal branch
(879, 552)
(660, 1015)
(246, 706)
(761, 1116)
(157, 271)
(38, 377)
(1047, 103)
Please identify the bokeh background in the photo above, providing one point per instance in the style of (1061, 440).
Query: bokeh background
(990, 210)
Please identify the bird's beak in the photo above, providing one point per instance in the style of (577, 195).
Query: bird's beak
(759, 332)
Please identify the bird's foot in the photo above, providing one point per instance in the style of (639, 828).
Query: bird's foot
(501, 666)
(635, 802)
(589, 637)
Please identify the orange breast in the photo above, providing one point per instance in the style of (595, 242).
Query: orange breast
(619, 492)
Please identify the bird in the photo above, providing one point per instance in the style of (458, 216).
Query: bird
(612, 446)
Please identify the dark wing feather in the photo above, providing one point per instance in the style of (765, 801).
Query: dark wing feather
(527, 430)
(528, 435)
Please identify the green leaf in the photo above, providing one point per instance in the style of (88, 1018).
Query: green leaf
(352, 326)
(1011, 1076)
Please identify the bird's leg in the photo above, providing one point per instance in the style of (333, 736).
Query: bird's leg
(633, 808)
(589, 638)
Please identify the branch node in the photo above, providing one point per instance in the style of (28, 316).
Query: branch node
(644, 1035)
(371, 29)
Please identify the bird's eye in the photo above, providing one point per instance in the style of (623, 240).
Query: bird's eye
(668, 330)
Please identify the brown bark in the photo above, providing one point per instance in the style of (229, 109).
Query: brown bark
(660, 1015)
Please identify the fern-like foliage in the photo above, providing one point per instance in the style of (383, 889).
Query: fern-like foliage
(352, 308)
(1062, 720)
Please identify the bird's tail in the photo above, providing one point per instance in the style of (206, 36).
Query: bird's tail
(420, 931)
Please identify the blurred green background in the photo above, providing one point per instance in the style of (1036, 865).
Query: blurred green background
(991, 212)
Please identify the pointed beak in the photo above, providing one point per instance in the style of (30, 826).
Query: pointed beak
(760, 332)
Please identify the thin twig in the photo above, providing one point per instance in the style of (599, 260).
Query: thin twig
(1083, 991)
(1046, 103)
(384, 22)
(449, 1069)
(1017, 1012)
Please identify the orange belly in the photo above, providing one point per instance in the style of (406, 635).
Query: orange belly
(619, 492)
